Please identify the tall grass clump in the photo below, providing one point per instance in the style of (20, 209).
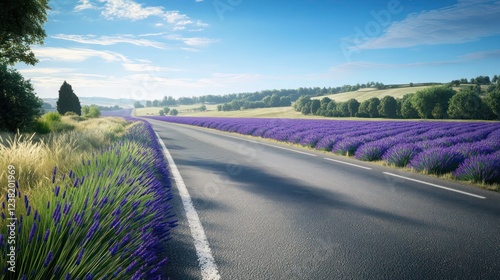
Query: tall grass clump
(36, 155)
(107, 218)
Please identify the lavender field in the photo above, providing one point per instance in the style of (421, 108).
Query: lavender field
(470, 151)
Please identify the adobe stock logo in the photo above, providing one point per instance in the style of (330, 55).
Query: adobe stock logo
(374, 28)
(223, 6)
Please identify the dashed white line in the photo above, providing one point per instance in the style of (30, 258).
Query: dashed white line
(434, 185)
(291, 150)
(208, 267)
(347, 163)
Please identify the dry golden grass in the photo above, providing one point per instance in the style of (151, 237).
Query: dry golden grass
(35, 156)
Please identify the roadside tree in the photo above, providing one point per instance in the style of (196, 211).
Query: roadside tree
(68, 101)
(19, 106)
(21, 25)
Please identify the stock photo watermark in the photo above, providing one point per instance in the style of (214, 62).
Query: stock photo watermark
(380, 20)
(11, 218)
(223, 6)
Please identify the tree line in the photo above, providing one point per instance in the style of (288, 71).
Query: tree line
(436, 102)
(255, 97)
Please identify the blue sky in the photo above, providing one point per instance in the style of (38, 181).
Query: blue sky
(146, 49)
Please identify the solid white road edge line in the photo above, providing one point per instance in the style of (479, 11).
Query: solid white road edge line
(351, 164)
(208, 267)
(434, 185)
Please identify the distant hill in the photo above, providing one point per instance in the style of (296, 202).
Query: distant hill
(367, 93)
(100, 101)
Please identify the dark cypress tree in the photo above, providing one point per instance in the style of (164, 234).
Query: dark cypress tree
(68, 101)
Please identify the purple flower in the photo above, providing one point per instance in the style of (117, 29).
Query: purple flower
(56, 190)
(76, 183)
(32, 232)
(46, 236)
(79, 257)
(131, 266)
(48, 258)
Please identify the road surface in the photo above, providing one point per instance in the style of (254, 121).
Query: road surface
(271, 211)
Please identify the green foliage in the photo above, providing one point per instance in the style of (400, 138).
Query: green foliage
(363, 109)
(68, 101)
(161, 113)
(52, 121)
(166, 110)
(19, 106)
(173, 112)
(407, 109)
(493, 102)
(465, 105)
(342, 109)
(432, 102)
(91, 111)
(138, 104)
(388, 107)
(374, 102)
(315, 105)
(352, 107)
(40, 127)
(52, 117)
(21, 25)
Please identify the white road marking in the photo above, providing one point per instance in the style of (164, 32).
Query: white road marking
(208, 267)
(283, 148)
(434, 185)
(351, 164)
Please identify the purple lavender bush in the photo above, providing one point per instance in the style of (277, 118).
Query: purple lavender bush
(401, 155)
(108, 218)
(437, 161)
(480, 168)
(434, 147)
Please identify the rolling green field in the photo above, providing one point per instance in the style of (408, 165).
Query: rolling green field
(367, 93)
(288, 112)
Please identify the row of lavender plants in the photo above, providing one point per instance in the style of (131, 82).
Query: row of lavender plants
(468, 150)
(108, 218)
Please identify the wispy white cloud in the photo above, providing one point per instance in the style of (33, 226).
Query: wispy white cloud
(84, 5)
(76, 54)
(468, 20)
(147, 67)
(193, 42)
(128, 9)
(494, 54)
(131, 10)
(110, 40)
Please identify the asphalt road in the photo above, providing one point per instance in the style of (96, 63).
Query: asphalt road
(271, 211)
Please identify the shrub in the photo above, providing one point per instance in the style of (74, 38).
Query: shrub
(481, 168)
(41, 127)
(69, 113)
(347, 147)
(437, 161)
(51, 117)
(161, 113)
(107, 218)
(401, 155)
(373, 150)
